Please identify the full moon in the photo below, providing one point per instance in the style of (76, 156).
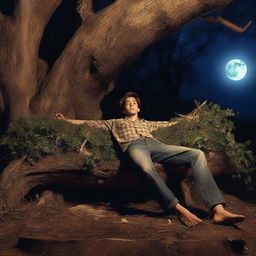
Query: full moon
(236, 69)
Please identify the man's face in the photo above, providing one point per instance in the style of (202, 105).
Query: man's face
(131, 107)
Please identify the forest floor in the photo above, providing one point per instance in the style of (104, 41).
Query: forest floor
(54, 227)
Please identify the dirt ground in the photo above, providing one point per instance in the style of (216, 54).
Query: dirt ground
(49, 226)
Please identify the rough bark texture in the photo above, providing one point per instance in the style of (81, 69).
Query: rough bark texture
(69, 172)
(19, 44)
(102, 47)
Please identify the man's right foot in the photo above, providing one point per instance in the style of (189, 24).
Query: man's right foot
(186, 217)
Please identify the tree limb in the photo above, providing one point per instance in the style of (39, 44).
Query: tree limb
(228, 24)
(85, 9)
(194, 115)
(104, 46)
(69, 171)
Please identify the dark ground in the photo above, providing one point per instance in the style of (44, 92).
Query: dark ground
(50, 226)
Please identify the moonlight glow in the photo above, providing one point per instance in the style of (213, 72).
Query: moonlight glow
(235, 69)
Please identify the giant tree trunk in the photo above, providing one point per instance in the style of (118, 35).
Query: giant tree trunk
(68, 171)
(104, 45)
(19, 44)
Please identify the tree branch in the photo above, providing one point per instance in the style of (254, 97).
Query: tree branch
(194, 115)
(104, 46)
(85, 9)
(228, 24)
(69, 170)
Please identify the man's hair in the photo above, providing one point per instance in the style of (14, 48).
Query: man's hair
(127, 95)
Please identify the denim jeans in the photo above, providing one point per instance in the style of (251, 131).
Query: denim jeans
(145, 151)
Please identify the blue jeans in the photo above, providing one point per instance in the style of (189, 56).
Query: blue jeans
(145, 151)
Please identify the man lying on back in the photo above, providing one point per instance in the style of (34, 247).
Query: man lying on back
(135, 139)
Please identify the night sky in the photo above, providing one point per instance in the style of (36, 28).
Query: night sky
(193, 60)
(211, 83)
(203, 76)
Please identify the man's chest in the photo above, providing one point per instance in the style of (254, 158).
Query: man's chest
(136, 127)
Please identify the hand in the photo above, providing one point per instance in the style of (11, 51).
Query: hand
(191, 117)
(59, 116)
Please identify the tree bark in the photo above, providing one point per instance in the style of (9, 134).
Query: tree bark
(104, 45)
(68, 171)
(19, 44)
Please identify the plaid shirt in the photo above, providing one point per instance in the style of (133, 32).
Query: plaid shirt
(125, 130)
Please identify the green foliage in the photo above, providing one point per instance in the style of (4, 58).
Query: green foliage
(213, 131)
(39, 136)
(33, 137)
(100, 144)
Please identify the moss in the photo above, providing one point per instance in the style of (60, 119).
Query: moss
(39, 136)
(99, 143)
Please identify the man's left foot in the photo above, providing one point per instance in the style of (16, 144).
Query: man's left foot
(224, 217)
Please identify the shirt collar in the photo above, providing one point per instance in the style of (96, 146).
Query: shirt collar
(132, 120)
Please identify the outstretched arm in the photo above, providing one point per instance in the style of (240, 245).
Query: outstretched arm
(154, 125)
(60, 116)
(104, 124)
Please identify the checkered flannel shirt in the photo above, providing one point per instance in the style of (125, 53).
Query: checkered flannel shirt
(125, 130)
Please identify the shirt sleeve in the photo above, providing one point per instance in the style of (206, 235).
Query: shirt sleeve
(154, 125)
(103, 124)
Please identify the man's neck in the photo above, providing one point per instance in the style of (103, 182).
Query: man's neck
(132, 118)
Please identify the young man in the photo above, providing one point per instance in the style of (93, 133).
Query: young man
(134, 137)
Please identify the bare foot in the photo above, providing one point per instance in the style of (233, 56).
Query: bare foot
(186, 217)
(223, 217)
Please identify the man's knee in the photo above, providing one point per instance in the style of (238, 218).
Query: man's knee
(198, 155)
(143, 163)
